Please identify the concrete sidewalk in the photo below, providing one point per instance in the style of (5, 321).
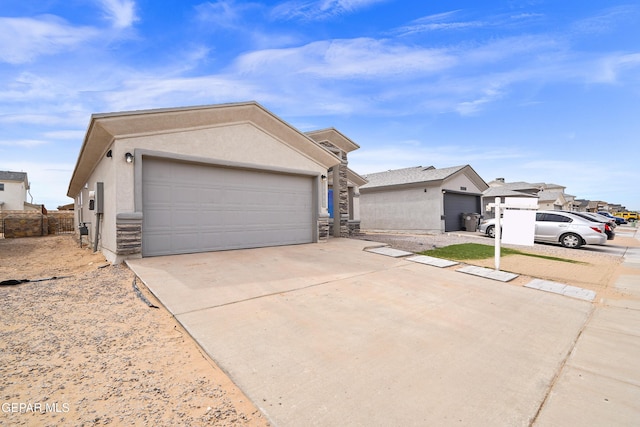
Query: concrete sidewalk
(329, 334)
(600, 383)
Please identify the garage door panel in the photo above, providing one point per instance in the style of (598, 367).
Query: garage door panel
(187, 194)
(455, 205)
(157, 219)
(194, 208)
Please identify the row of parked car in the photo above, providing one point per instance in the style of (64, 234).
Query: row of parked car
(570, 229)
(623, 217)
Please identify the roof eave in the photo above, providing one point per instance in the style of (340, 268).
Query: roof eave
(105, 128)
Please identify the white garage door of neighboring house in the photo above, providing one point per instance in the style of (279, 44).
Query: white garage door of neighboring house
(455, 204)
(191, 208)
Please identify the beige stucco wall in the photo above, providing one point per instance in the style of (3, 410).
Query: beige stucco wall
(408, 209)
(105, 172)
(241, 143)
(458, 182)
(13, 196)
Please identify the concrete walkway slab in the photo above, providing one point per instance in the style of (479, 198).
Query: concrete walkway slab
(561, 289)
(629, 285)
(600, 384)
(488, 273)
(632, 258)
(396, 253)
(435, 262)
(329, 334)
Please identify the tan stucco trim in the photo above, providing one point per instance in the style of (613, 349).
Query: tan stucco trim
(335, 137)
(104, 129)
(472, 175)
(355, 179)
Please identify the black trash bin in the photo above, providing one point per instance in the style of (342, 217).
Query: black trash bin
(470, 221)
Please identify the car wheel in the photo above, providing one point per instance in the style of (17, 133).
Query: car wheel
(491, 231)
(571, 241)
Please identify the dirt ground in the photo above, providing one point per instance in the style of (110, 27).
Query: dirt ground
(85, 350)
(595, 270)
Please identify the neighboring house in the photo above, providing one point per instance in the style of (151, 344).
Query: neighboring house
(550, 196)
(490, 194)
(597, 206)
(14, 187)
(208, 178)
(553, 200)
(420, 199)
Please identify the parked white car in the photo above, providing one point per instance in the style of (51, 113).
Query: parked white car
(570, 230)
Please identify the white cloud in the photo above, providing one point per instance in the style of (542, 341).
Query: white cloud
(48, 117)
(122, 13)
(606, 21)
(320, 9)
(23, 40)
(77, 135)
(470, 107)
(401, 155)
(24, 143)
(437, 22)
(610, 68)
(223, 14)
(144, 92)
(352, 58)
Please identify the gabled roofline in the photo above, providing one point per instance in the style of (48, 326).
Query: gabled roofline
(355, 178)
(105, 128)
(15, 176)
(455, 170)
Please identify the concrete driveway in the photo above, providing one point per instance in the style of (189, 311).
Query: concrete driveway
(328, 334)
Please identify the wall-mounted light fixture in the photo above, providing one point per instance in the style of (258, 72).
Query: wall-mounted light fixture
(323, 177)
(109, 154)
(128, 157)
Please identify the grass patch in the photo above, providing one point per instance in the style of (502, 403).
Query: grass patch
(468, 251)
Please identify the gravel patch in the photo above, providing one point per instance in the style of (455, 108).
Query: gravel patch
(85, 350)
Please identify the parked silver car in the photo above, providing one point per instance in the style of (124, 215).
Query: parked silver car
(570, 230)
(609, 225)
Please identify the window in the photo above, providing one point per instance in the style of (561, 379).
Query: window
(1, 186)
(549, 217)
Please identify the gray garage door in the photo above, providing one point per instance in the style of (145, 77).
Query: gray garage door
(198, 208)
(455, 205)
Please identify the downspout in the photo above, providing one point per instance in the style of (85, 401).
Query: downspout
(95, 240)
(99, 201)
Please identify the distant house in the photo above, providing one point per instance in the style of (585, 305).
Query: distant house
(420, 199)
(490, 195)
(13, 192)
(550, 196)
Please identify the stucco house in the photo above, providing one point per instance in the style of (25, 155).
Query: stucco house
(491, 193)
(14, 187)
(420, 199)
(550, 196)
(207, 178)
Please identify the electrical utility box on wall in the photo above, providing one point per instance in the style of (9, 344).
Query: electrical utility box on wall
(99, 197)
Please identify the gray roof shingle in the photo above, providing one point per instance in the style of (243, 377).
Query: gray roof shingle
(409, 175)
(13, 176)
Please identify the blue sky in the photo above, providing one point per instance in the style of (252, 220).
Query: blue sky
(529, 90)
